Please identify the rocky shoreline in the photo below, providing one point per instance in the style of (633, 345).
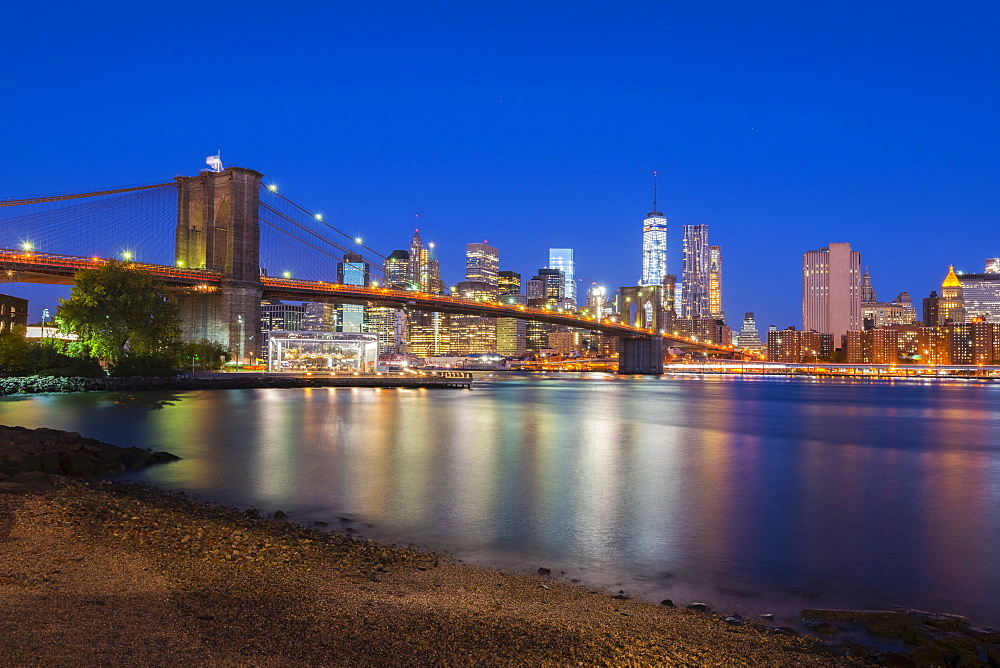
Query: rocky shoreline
(105, 573)
(236, 381)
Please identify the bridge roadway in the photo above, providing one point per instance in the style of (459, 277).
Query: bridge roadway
(33, 267)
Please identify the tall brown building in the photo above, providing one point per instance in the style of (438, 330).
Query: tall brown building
(831, 290)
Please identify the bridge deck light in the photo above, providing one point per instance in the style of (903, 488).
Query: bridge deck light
(126, 255)
(287, 274)
(27, 246)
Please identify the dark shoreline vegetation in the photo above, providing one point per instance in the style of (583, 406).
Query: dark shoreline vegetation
(55, 473)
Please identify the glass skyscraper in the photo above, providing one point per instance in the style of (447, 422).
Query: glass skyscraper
(562, 259)
(654, 245)
(352, 271)
(654, 248)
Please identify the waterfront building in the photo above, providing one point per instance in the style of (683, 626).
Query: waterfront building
(511, 332)
(396, 270)
(382, 322)
(951, 306)
(352, 271)
(482, 264)
(563, 260)
(749, 338)
(981, 296)
(654, 245)
(695, 275)
(976, 342)
(428, 334)
(831, 290)
(708, 329)
(899, 311)
(993, 265)
(873, 346)
(278, 316)
(472, 333)
(715, 283)
(568, 341)
(13, 313)
(792, 346)
(319, 317)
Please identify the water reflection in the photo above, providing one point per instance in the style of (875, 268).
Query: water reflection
(837, 493)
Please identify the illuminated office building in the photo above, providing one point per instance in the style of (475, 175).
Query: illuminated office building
(749, 338)
(951, 306)
(511, 332)
(562, 259)
(654, 245)
(981, 296)
(695, 276)
(319, 317)
(396, 270)
(473, 333)
(900, 311)
(352, 271)
(715, 283)
(482, 264)
(278, 316)
(993, 265)
(831, 290)
(417, 273)
(428, 334)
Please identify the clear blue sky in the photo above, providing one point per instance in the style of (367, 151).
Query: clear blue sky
(782, 125)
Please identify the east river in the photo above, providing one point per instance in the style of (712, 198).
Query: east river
(751, 495)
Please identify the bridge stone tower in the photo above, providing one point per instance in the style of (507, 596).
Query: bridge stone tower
(218, 229)
(642, 306)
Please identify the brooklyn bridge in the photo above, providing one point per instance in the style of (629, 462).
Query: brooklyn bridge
(223, 242)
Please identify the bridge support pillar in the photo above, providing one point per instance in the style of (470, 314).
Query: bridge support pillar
(640, 355)
(218, 228)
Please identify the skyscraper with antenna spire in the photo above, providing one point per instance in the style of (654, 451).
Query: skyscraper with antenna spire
(654, 245)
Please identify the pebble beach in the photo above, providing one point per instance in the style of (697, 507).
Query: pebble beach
(103, 573)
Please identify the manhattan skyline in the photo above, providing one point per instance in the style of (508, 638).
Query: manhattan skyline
(783, 128)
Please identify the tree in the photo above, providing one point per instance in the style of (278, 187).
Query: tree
(202, 355)
(123, 317)
(13, 349)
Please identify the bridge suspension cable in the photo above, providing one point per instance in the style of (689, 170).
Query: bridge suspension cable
(304, 229)
(59, 198)
(324, 223)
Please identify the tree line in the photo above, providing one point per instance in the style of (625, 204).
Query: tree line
(127, 324)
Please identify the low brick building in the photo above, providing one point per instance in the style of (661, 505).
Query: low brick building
(13, 312)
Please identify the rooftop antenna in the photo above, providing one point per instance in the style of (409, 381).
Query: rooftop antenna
(214, 162)
(654, 190)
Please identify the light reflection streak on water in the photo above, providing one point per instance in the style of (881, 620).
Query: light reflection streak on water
(862, 493)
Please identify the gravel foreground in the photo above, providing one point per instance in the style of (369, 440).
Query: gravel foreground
(115, 574)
